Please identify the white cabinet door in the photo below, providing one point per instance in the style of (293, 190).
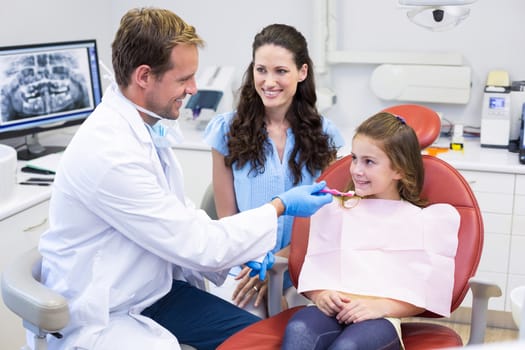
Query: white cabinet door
(495, 195)
(18, 233)
(517, 252)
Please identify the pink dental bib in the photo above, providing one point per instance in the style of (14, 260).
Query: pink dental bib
(384, 248)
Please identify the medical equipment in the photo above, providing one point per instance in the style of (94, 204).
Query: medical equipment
(347, 199)
(45, 87)
(295, 207)
(338, 193)
(517, 99)
(456, 143)
(214, 94)
(422, 83)
(495, 113)
(437, 15)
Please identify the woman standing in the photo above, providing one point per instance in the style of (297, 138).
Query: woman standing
(274, 140)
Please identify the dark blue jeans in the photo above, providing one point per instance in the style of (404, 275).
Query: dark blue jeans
(309, 329)
(198, 318)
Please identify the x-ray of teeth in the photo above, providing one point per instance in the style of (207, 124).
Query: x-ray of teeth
(42, 84)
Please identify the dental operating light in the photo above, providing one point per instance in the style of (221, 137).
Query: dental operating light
(437, 15)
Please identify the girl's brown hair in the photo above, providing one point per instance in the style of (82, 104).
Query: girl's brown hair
(399, 142)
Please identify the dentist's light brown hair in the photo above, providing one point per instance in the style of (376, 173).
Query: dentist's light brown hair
(147, 36)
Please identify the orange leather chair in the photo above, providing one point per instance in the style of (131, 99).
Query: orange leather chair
(443, 184)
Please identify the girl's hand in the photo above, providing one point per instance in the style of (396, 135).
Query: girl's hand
(329, 302)
(361, 309)
(248, 288)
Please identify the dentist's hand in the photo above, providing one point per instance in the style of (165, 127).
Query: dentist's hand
(260, 268)
(304, 200)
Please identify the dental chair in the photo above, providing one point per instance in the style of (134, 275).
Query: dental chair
(208, 202)
(443, 184)
(42, 310)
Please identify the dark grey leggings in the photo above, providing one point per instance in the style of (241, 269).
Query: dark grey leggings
(309, 329)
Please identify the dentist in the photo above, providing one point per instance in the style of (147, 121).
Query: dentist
(125, 247)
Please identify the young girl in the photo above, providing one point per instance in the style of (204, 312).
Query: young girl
(379, 256)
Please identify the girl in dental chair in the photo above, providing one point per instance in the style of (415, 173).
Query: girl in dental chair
(379, 255)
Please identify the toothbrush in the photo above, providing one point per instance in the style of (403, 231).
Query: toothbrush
(337, 193)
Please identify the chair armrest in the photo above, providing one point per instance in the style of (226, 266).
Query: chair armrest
(275, 285)
(31, 300)
(482, 291)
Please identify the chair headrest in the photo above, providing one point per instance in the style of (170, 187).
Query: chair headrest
(425, 121)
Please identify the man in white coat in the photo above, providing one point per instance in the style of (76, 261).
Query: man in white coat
(125, 247)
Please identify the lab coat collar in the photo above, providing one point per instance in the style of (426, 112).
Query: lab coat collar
(168, 169)
(113, 98)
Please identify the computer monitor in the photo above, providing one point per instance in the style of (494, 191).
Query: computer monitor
(45, 87)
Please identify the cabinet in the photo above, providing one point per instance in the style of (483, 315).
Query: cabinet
(517, 240)
(501, 197)
(18, 233)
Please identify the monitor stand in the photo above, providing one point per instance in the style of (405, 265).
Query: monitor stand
(33, 149)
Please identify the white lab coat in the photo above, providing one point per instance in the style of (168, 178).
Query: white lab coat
(121, 230)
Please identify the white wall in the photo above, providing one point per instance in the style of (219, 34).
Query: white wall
(228, 26)
(26, 22)
(490, 38)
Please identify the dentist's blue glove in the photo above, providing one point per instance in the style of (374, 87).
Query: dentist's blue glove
(261, 268)
(304, 200)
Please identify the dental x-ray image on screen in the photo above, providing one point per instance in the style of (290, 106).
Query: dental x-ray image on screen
(44, 87)
(43, 83)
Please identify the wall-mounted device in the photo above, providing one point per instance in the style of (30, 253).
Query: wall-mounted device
(214, 94)
(495, 112)
(422, 83)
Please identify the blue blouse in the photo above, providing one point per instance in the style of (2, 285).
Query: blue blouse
(253, 189)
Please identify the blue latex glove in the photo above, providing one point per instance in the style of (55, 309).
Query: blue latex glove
(304, 200)
(261, 268)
